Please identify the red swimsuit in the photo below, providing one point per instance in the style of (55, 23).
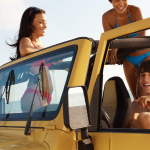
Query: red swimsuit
(38, 63)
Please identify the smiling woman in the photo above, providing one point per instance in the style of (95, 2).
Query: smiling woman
(32, 27)
(122, 14)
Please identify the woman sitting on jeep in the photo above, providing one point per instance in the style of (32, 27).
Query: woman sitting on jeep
(122, 14)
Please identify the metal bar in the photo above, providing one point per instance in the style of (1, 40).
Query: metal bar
(22, 127)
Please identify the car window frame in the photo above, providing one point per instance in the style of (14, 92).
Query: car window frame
(24, 116)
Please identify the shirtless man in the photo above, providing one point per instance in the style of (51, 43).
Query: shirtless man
(140, 109)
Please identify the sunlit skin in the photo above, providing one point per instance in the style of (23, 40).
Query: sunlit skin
(40, 26)
(120, 7)
(108, 19)
(140, 108)
(26, 47)
(145, 82)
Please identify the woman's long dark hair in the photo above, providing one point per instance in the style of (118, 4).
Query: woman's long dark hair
(26, 27)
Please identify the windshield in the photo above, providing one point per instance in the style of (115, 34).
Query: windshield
(19, 85)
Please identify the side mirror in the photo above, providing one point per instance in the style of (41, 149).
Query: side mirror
(76, 108)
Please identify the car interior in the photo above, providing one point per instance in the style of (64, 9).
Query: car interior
(113, 99)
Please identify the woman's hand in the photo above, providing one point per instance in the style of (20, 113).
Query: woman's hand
(112, 56)
(144, 101)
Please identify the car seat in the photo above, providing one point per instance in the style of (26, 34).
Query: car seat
(116, 102)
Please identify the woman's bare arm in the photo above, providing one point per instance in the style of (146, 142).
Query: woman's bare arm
(25, 47)
(105, 21)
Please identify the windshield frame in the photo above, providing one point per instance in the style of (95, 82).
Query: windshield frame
(49, 115)
(100, 62)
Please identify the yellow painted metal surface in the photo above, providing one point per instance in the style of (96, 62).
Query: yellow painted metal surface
(127, 29)
(120, 141)
(14, 138)
(97, 66)
(131, 141)
(116, 141)
(111, 34)
(55, 135)
(60, 137)
(101, 141)
(78, 75)
(81, 43)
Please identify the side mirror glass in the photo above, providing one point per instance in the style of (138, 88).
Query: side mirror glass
(76, 108)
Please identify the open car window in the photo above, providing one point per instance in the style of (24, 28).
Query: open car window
(18, 85)
(116, 96)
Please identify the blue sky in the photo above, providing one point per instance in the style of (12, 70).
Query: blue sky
(66, 19)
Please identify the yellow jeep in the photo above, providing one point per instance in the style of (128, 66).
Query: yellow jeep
(80, 113)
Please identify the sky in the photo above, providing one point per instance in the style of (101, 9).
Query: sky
(66, 20)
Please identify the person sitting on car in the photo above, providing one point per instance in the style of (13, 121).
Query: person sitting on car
(32, 27)
(123, 14)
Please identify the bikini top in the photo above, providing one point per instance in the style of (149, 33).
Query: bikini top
(38, 63)
(33, 44)
(131, 35)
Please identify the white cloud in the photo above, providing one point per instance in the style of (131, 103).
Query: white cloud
(10, 13)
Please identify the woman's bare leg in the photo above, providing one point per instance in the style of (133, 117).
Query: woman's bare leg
(131, 77)
(143, 120)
